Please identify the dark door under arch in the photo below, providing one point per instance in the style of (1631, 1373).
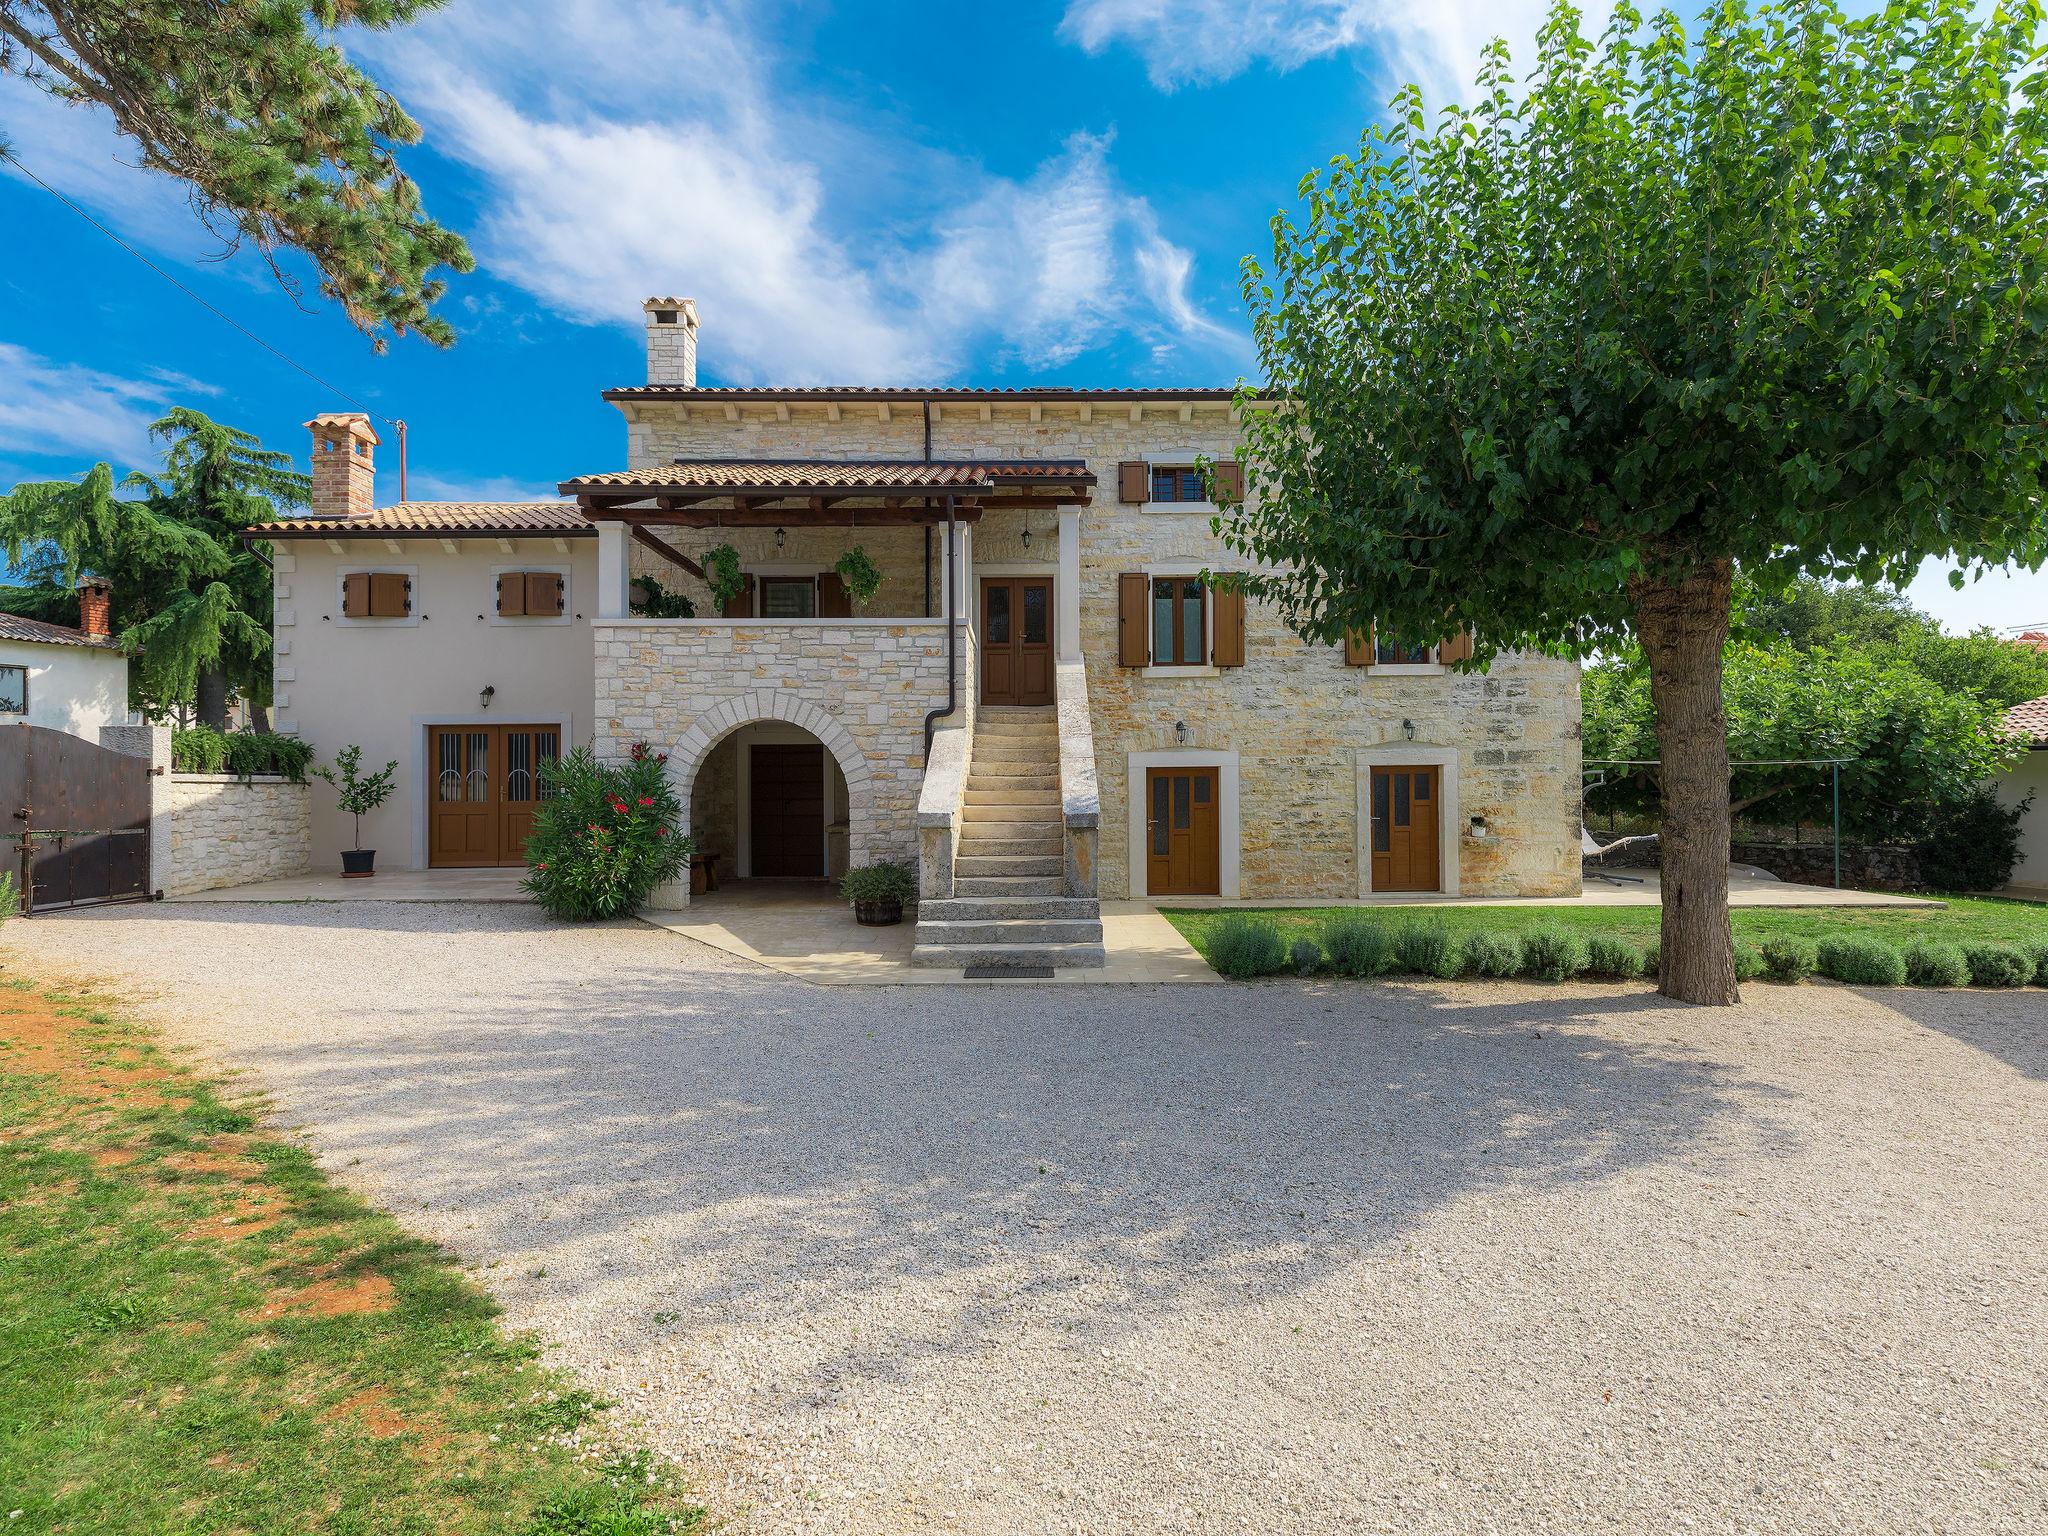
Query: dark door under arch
(786, 817)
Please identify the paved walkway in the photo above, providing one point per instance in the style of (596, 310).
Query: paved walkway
(1312, 1258)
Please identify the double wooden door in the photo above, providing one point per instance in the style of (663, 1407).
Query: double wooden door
(786, 816)
(1405, 827)
(1016, 640)
(1182, 847)
(484, 789)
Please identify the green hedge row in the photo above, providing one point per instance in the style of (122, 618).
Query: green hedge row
(202, 749)
(1366, 944)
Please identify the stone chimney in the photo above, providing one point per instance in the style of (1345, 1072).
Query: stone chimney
(672, 341)
(344, 464)
(95, 607)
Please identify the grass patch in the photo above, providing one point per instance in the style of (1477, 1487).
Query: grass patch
(200, 1333)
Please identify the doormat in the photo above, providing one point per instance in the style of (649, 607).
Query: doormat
(1007, 973)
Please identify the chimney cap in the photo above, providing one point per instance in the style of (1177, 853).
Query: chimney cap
(683, 311)
(90, 583)
(355, 423)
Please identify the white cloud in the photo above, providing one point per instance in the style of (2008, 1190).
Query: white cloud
(1436, 43)
(55, 410)
(422, 485)
(819, 247)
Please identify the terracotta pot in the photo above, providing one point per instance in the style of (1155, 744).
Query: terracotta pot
(358, 863)
(878, 914)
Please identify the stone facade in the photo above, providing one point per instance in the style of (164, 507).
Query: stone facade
(226, 831)
(861, 687)
(1299, 725)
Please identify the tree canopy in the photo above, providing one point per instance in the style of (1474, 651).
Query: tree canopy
(283, 142)
(192, 602)
(1548, 368)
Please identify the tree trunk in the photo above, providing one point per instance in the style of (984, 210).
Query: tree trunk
(1683, 627)
(259, 718)
(212, 703)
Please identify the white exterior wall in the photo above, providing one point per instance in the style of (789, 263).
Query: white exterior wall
(74, 688)
(379, 683)
(2029, 776)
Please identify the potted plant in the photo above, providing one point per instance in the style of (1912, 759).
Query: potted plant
(863, 578)
(722, 574)
(878, 893)
(359, 796)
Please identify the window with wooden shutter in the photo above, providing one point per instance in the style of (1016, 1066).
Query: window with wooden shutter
(741, 607)
(1229, 477)
(355, 595)
(1457, 648)
(390, 594)
(543, 594)
(834, 601)
(1358, 648)
(1132, 589)
(512, 594)
(1227, 647)
(1133, 481)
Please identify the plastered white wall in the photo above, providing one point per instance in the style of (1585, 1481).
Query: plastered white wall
(73, 688)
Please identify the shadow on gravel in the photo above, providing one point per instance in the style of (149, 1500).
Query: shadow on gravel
(2011, 1027)
(735, 1147)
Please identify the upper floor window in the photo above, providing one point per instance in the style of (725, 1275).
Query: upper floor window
(13, 690)
(376, 595)
(1179, 620)
(1392, 653)
(788, 597)
(1177, 482)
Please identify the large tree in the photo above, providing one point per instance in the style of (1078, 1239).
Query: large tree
(193, 603)
(1551, 367)
(282, 141)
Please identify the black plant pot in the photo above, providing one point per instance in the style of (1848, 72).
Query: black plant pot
(878, 914)
(358, 863)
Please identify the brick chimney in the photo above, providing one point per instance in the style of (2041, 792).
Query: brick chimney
(95, 607)
(672, 341)
(344, 464)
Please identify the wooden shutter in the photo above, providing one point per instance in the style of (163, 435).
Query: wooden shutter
(1229, 475)
(390, 595)
(1358, 648)
(1133, 481)
(1226, 649)
(741, 607)
(834, 601)
(355, 595)
(1132, 589)
(543, 594)
(512, 594)
(1457, 648)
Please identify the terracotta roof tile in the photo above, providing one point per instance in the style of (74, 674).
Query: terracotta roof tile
(2029, 720)
(912, 393)
(14, 627)
(877, 475)
(437, 517)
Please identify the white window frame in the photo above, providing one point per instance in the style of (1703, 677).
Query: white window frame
(1410, 754)
(521, 620)
(25, 670)
(1229, 826)
(412, 614)
(1196, 669)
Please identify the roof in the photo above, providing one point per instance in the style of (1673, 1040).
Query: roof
(2029, 720)
(14, 627)
(911, 394)
(436, 518)
(798, 476)
(2033, 639)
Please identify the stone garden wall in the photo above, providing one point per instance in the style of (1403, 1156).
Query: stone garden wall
(229, 831)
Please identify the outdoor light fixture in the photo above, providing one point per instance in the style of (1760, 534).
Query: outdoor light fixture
(1408, 729)
(1027, 535)
(780, 537)
(1180, 732)
(483, 699)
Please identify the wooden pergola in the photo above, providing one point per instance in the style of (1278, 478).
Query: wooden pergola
(756, 493)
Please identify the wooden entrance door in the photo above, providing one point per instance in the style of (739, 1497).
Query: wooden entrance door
(787, 816)
(1405, 824)
(483, 790)
(1016, 640)
(1182, 848)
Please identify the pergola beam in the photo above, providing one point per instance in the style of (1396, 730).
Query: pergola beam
(666, 550)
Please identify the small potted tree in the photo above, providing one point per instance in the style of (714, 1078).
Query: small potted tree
(358, 797)
(878, 893)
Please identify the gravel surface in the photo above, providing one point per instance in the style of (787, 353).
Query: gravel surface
(1297, 1258)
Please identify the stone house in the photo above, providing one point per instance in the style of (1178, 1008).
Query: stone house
(1041, 703)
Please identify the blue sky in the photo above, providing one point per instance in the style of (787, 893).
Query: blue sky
(877, 193)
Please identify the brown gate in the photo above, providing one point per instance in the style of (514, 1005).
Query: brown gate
(80, 817)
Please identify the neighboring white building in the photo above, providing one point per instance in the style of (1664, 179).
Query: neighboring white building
(73, 680)
(2029, 776)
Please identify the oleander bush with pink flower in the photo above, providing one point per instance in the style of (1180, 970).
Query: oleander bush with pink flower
(605, 835)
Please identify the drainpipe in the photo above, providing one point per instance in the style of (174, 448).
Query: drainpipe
(931, 721)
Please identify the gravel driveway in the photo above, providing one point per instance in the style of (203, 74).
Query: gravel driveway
(1300, 1257)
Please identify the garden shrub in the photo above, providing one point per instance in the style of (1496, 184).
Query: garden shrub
(1972, 842)
(604, 835)
(1551, 953)
(202, 749)
(1491, 954)
(1653, 954)
(1749, 962)
(1788, 959)
(1860, 961)
(1357, 944)
(2036, 950)
(1242, 946)
(1427, 947)
(1933, 964)
(1998, 965)
(1607, 955)
(1306, 956)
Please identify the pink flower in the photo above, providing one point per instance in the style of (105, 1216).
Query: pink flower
(647, 800)
(661, 831)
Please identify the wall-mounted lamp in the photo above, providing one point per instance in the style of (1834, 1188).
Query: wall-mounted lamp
(1479, 828)
(483, 700)
(781, 538)
(1027, 535)
(1408, 729)
(1180, 732)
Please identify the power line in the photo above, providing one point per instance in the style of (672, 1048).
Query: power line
(215, 310)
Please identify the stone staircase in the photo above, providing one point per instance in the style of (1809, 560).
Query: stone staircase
(1009, 909)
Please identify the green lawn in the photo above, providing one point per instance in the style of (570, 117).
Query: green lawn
(200, 1333)
(1963, 919)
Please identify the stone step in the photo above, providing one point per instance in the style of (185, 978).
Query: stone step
(983, 909)
(1028, 727)
(1010, 956)
(1033, 886)
(993, 768)
(1012, 795)
(1041, 845)
(1017, 749)
(1082, 930)
(975, 867)
(1012, 820)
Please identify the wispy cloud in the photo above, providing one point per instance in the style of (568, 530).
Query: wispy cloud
(1436, 43)
(604, 186)
(57, 411)
(427, 486)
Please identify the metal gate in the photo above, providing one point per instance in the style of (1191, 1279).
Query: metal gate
(80, 817)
